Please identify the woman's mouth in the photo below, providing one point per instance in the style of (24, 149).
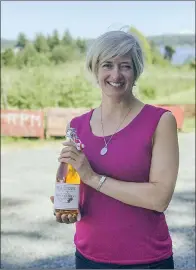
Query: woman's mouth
(114, 84)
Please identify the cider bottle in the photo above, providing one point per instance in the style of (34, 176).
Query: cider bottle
(66, 197)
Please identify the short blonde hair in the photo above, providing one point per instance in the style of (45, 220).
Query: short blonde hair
(112, 44)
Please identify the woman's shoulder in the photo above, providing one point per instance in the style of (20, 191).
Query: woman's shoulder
(158, 108)
(159, 118)
(155, 112)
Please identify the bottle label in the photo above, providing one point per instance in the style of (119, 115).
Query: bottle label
(66, 196)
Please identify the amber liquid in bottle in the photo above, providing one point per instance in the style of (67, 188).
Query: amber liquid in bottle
(66, 199)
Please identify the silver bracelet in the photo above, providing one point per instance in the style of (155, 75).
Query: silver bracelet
(101, 181)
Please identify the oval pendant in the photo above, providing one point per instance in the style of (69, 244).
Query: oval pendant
(103, 151)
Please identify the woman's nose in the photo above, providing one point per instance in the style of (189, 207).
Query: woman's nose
(115, 73)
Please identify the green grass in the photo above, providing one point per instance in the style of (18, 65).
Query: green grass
(166, 83)
(189, 125)
(53, 86)
(13, 142)
(185, 97)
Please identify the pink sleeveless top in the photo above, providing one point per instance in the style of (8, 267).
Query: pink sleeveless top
(111, 231)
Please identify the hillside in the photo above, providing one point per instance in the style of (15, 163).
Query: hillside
(174, 40)
(5, 43)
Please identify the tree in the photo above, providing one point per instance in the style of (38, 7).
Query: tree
(157, 57)
(49, 42)
(41, 44)
(8, 57)
(61, 54)
(144, 44)
(81, 44)
(21, 40)
(54, 39)
(192, 64)
(67, 39)
(26, 56)
(169, 51)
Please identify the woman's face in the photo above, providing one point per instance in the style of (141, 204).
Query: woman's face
(116, 76)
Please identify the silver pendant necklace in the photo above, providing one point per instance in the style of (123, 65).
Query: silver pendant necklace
(104, 150)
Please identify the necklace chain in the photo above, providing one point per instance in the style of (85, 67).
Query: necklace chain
(106, 143)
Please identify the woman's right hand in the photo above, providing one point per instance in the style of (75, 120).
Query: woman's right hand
(62, 218)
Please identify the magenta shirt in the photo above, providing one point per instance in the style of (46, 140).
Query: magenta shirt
(111, 231)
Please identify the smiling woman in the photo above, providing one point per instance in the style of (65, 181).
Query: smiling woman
(128, 166)
(112, 44)
(116, 76)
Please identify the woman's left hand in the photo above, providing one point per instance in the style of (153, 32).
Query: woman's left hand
(71, 155)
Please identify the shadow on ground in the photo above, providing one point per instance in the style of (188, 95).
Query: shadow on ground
(34, 234)
(184, 197)
(182, 214)
(67, 262)
(57, 262)
(184, 262)
(184, 254)
(8, 202)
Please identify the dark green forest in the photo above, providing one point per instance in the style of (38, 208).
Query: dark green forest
(161, 40)
(48, 71)
(55, 49)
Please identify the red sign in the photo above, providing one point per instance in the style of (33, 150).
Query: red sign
(58, 118)
(22, 123)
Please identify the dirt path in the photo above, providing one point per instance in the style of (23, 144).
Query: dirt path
(30, 236)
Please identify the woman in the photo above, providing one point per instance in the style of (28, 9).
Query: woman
(128, 166)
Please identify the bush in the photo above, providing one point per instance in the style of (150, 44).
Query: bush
(66, 85)
(147, 91)
(26, 57)
(145, 45)
(40, 87)
(8, 57)
(192, 64)
(31, 58)
(62, 54)
(165, 81)
(157, 59)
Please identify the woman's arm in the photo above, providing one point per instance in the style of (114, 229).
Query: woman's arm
(157, 193)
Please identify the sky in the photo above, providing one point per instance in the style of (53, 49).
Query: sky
(89, 19)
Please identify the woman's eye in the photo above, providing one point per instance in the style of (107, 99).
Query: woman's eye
(126, 67)
(107, 65)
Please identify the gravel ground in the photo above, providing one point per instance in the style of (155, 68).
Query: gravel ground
(30, 237)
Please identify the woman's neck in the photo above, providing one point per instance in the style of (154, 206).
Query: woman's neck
(116, 108)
